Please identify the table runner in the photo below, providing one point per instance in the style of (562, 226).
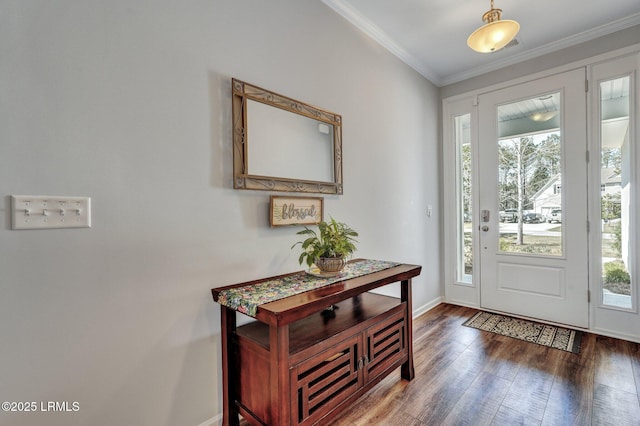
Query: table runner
(247, 298)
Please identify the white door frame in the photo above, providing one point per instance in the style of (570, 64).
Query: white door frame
(609, 320)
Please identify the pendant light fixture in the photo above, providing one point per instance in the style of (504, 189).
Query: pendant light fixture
(495, 34)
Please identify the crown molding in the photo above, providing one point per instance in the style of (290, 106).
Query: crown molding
(382, 38)
(369, 28)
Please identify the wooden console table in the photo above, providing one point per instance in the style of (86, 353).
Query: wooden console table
(301, 364)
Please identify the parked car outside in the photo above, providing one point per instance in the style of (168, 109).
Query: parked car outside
(509, 215)
(532, 217)
(555, 216)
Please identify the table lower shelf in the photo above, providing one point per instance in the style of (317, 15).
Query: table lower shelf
(319, 327)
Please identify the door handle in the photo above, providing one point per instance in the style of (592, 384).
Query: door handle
(485, 228)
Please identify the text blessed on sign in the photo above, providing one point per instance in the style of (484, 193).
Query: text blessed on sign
(296, 210)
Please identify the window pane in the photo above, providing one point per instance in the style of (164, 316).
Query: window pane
(463, 197)
(615, 191)
(530, 176)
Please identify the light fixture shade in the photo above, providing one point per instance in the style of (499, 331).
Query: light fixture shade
(543, 116)
(493, 36)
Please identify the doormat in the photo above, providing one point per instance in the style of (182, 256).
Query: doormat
(534, 332)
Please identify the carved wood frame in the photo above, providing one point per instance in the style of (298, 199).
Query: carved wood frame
(241, 92)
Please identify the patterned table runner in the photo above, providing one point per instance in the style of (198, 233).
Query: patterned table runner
(246, 299)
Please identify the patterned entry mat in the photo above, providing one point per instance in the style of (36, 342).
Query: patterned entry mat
(542, 334)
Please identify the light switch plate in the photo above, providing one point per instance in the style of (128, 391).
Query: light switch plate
(46, 211)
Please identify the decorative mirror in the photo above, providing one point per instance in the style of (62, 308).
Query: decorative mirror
(294, 147)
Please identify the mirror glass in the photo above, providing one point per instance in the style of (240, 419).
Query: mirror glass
(281, 144)
(278, 136)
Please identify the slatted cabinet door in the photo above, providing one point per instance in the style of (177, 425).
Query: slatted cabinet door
(324, 381)
(385, 344)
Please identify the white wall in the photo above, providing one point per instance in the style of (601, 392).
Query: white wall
(128, 102)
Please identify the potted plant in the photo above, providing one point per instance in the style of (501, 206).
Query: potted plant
(328, 248)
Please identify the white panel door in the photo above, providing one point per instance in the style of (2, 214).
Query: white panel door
(533, 199)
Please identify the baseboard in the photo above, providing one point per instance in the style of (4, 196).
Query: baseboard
(461, 303)
(213, 421)
(427, 307)
(615, 335)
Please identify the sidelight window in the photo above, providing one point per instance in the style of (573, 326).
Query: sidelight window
(464, 198)
(615, 193)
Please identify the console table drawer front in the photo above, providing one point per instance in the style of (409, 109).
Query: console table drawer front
(386, 342)
(324, 381)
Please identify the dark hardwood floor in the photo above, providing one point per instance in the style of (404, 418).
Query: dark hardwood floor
(466, 376)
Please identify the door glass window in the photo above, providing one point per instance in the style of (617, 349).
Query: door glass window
(615, 192)
(463, 198)
(530, 176)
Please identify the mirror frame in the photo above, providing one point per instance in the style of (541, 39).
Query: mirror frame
(241, 93)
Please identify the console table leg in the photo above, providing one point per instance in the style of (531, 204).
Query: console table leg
(407, 371)
(229, 368)
(279, 384)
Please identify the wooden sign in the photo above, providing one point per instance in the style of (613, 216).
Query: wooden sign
(285, 211)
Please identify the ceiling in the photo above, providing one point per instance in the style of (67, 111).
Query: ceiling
(431, 35)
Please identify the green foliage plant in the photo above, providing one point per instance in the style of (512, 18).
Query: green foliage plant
(615, 272)
(333, 239)
(617, 239)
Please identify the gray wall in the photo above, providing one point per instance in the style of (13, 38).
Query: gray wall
(128, 102)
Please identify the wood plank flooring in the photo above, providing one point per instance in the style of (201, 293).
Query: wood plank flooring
(466, 376)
